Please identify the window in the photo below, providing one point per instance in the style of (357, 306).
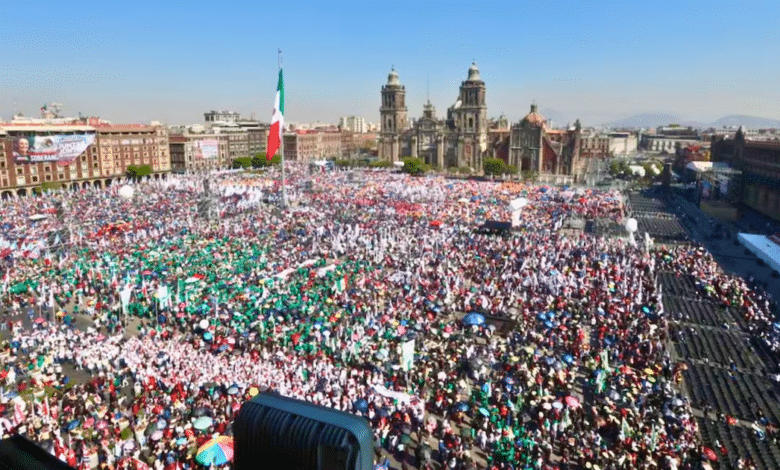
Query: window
(34, 179)
(19, 171)
(48, 177)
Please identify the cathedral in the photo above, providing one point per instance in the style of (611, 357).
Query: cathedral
(465, 139)
(458, 140)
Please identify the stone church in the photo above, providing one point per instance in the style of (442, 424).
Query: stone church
(459, 140)
(552, 155)
(465, 138)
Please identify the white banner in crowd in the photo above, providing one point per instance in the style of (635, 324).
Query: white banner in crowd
(400, 396)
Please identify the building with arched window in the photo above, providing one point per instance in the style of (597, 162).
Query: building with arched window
(459, 140)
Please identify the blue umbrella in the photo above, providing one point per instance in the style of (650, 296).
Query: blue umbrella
(461, 406)
(568, 359)
(72, 425)
(361, 405)
(207, 336)
(11, 395)
(549, 324)
(181, 441)
(202, 423)
(484, 412)
(382, 466)
(549, 360)
(474, 319)
(541, 317)
(162, 424)
(233, 390)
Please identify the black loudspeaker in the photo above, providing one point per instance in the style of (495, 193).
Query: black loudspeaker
(17, 453)
(206, 186)
(296, 435)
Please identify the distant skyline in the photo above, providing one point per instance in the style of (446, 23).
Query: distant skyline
(599, 61)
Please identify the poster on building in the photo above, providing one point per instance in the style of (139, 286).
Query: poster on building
(206, 148)
(63, 149)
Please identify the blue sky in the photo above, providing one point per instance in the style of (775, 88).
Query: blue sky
(596, 60)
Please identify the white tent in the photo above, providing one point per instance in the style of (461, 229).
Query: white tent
(763, 247)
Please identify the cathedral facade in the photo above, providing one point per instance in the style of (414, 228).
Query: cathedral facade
(552, 155)
(459, 140)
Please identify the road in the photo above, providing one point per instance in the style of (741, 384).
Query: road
(732, 258)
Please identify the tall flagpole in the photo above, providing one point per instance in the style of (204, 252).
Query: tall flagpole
(281, 149)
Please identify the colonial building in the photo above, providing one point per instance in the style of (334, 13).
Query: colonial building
(198, 151)
(459, 140)
(309, 145)
(552, 155)
(758, 161)
(75, 155)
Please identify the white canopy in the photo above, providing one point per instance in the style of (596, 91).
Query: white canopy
(763, 247)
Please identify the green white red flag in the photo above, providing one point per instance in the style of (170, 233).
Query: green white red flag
(277, 120)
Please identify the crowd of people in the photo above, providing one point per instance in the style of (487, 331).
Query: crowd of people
(192, 316)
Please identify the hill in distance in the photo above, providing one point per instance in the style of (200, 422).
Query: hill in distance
(645, 120)
(650, 120)
(750, 122)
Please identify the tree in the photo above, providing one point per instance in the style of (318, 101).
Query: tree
(260, 160)
(414, 166)
(242, 162)
(619, 167)
(494, 166)
(136, 172)
(382, 164)
(511, 170)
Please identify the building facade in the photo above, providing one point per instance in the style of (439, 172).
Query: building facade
(552, 155)
(76, 156)
(225, 117)
(355, 124)
(194, 151)
(759, 164)
(594, 145)
(256, 136)
(309, 145)
(622, 143)
(459, 140)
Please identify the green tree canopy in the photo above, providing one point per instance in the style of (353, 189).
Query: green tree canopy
(414, 166)
(494, 166)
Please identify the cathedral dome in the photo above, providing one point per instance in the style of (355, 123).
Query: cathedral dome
(474, 72)
(392, 78)
(534, 118)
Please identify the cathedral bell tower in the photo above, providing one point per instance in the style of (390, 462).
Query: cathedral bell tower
(392, 118)
(471, 120)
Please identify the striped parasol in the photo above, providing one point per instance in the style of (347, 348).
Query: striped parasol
(217, 451)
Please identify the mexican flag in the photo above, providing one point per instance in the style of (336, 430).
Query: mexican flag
(277, 120)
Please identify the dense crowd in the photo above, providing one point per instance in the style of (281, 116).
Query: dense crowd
(321, 302)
